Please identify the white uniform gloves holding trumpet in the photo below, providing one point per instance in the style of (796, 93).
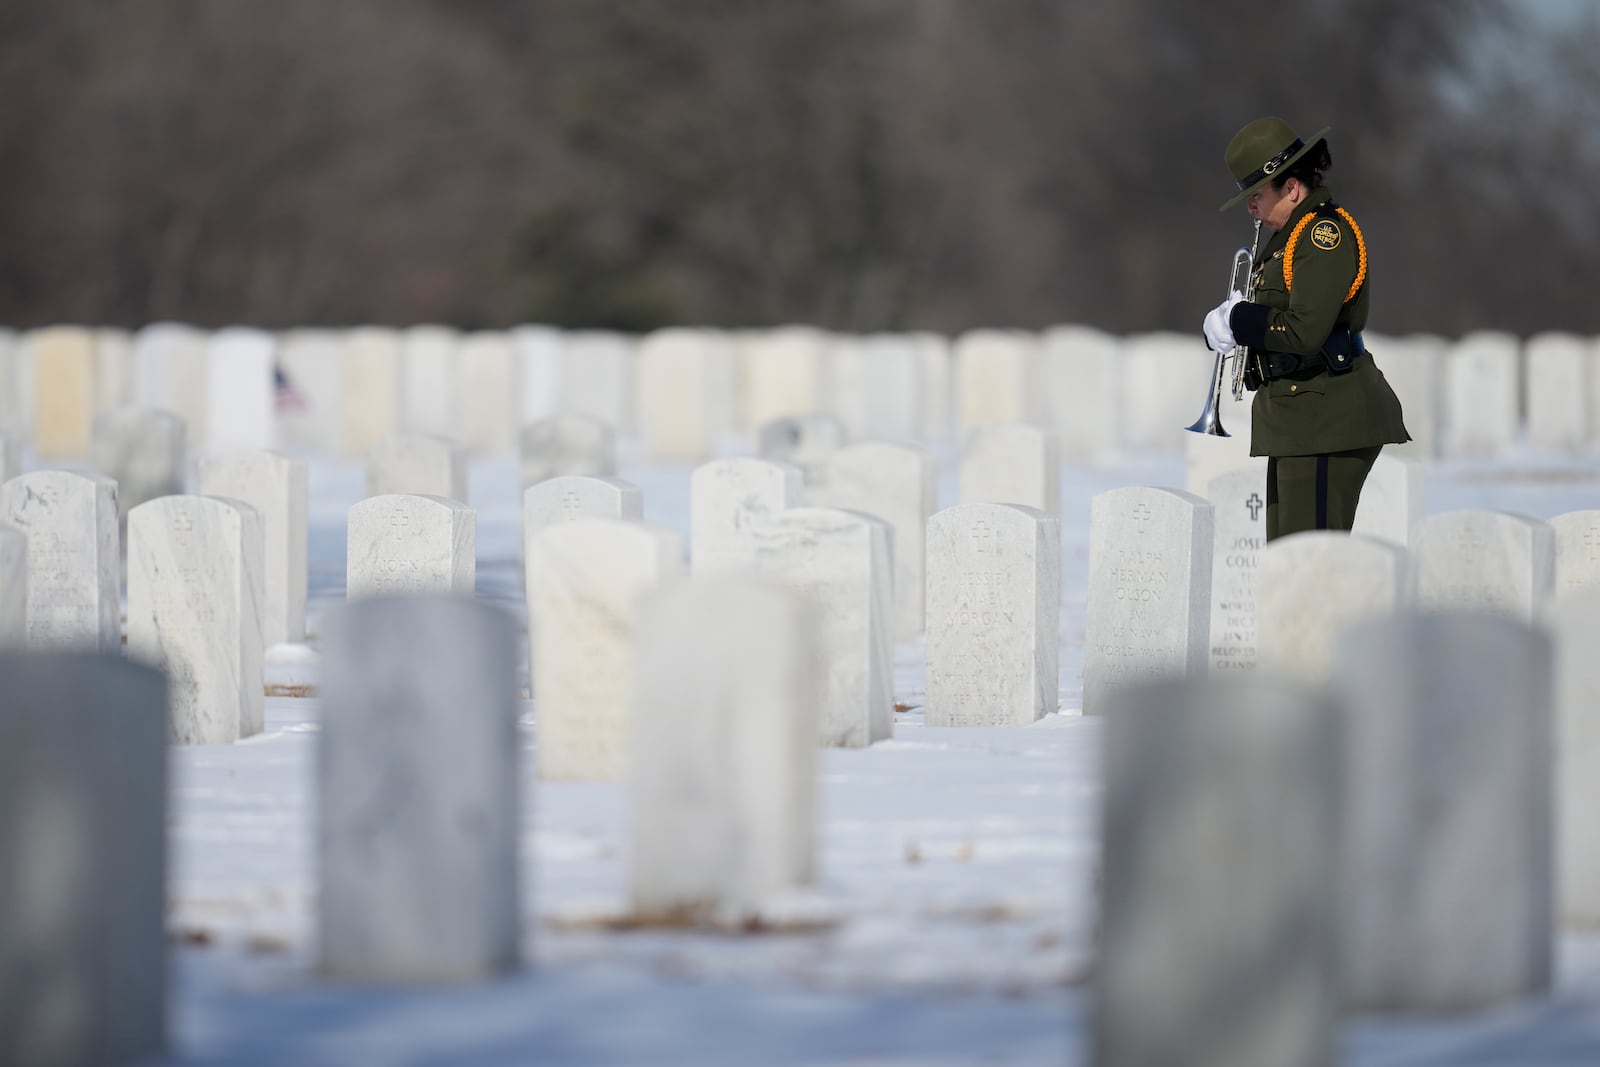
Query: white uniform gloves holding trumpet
(1219, 332)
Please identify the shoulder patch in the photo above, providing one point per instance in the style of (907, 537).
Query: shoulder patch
(1325, 234)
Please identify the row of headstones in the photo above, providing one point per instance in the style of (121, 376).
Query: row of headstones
(682, 390)
(1278, 852)
(1178, 585)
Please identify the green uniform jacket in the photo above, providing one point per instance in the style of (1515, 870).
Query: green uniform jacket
(1311, 413)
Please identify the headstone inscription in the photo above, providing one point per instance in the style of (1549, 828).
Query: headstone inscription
(74, 558)
(1483, 561)
(1240, 513)
(402, 544)
(1577, 547)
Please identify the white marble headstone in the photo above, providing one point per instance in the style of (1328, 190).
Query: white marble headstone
(841, 561)
(996, 378)
(1574, 624)
(1166, 380)
(684, 395)
(807, 442)
(585, 580)
(144, 451)
(577, 496)
(372, 381)
(173, 368)
(1011, 463)
(1577, 547)
(1448, 876)
(898, 484)
(275, 485)
(240, 398)
(417, 463)
(1207, 456)
(1415, 369)
(83, 884)
(409, 543)
(11, 449)
(1238, 500)
(994, 609)
(420, 794)
(1481, 381)
(875, 385)
(1149, 597)
(567, 444)
(428, 380)
(1082, 379)
(311, 418)
(1393, 500)
(538, 355)
(13, 588)
(1220, 896)
(486, 418)
(597, 370)
(1556, 376)
(938, 394)
(722, 801)
(195, 609)
(1314, 586)
(116, 372)
(726, 497)
(61, 361)
(15, 402)
(782, 373)
(1483, 561)
(74, 557)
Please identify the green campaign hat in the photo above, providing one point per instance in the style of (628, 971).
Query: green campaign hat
(1262, 149)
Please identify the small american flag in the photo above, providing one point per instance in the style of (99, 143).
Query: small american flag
(286, 398)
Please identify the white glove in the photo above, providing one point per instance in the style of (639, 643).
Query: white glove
(1219, 334)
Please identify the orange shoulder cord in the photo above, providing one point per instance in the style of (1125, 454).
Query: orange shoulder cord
(1361, 253)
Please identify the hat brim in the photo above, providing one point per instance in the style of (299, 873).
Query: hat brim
(1309, 145)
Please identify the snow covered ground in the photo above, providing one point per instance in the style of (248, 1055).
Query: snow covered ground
(952, 925)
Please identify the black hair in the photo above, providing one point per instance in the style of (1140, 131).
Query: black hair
(1308, 168)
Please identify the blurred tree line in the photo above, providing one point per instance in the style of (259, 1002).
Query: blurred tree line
(857, 164)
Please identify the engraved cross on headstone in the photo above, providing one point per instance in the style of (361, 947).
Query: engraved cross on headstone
(1141, 516)
(571, 506)
(1254, 506)
(981, 533)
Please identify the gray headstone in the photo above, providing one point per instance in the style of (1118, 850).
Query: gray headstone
(1314, 586)
(1220, 877)
(417, 771)
(1393, 500)
(684, 392)
(1149, 597)
(807, 442)
(417, 463)
(275, 485)
(898, 484)
(996, 379)
(1481, 382)
(1483, 561)
(486, 417)
(240, 402)
(1556, 373)
(83, 860)
(841, 561)
(195, 610)
(585, 580)
(1574, 623)
(1082, 379)
(428, 380)
(13, 588)
(726, 497)
(406, 544)
(1577, 541)
(74, 557)
(722, 801)
(1238, 500)
(1011, 463)
(144, 451)
(1448, 879)
(372, 382)
(994, 609)
(567, 444)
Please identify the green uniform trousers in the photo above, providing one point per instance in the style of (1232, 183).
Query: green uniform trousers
(1316, 492)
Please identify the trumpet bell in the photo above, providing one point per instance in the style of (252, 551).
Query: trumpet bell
(1210, 420)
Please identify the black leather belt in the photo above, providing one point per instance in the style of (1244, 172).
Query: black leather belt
(1338, 356)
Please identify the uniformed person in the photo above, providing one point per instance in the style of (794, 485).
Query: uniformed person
(1322, 410)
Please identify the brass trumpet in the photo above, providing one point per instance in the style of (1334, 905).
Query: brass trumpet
(1240, 280)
